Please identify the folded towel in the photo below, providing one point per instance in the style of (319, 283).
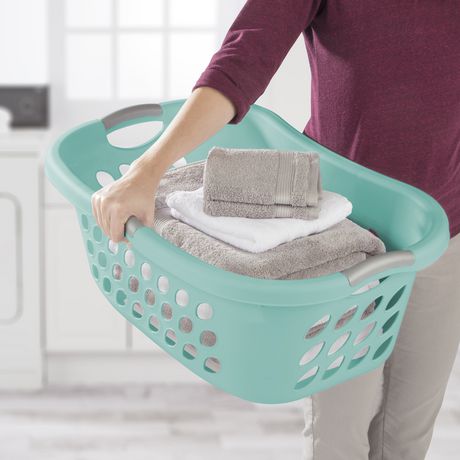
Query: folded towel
(335, 249)
(261, 183)
(255, 235)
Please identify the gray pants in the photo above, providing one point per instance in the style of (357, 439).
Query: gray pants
(356, 420)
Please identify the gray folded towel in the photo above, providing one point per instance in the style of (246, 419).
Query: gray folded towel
(330, 251)
(261, 183)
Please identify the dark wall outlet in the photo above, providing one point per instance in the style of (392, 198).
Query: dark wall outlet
(28, 105)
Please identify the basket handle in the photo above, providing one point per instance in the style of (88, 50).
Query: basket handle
(131, 115)
(377, 264)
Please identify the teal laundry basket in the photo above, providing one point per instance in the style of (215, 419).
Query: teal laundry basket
(268, 341)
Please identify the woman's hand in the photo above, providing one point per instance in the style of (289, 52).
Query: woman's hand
(133, 194)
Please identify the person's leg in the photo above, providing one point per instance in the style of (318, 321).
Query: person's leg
(416, 374)
(337, 420)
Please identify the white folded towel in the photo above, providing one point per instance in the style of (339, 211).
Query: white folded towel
(255, 235)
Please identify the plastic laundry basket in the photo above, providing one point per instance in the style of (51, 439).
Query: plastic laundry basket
(269, 341)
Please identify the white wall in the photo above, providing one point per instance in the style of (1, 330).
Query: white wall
(23, 42)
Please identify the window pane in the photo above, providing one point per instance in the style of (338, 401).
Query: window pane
(140, 65)
(140, 13)
(89, 13)
(193, 13)
(190, 54)
(89, 66)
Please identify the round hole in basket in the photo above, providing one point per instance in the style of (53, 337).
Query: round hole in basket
(138, 310)
(318, 327)
(204, 311)
(182, 298)
(149, 297)
(358, 357)
(130, 260)
(97, 234)
(123, 168)
(212, 365)
(146, 271)
(113, 247)
(307, 378)
(102, 259)
(95, 271)
(104, 178)
(170, 337)
(117, 271)
(84, 222)
(133, 284)
(121, 297)
(371, 308)
(163, 284)
(311, 354)
(346, 317)
(381, 349)
(154, 323)
(90, 247)
(185, 324)
(339, 343)
(394, 300)
(364, 334)
(208, 338)
(189, 351)
(166, 311)
(389, 322)
(106, 285)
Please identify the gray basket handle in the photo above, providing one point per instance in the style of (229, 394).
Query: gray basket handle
(378, 263)
(131, 113)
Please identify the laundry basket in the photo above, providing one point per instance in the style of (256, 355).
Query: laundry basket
(268, 341)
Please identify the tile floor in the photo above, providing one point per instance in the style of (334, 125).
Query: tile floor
(175, 422)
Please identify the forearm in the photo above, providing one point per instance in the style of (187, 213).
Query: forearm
(203, 114)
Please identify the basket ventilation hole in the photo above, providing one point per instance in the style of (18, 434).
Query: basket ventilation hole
(336, 363)
(189, 351)
(107, 285)
(149, 297)
(129, 258)
(339, 343)
(113, 247)
(97, 234)
(123, 168)
(84, 221)
(366, 287)
(382, 348)
(371, 307)
(146, 271)
(358, 357)
(311, 354)
(170, 337)
(154, 323)
(133, 284)
(163, 284)
(318, 327)
(95, 272)
(166, 311)
(90, 247)
(395, 298)
(346, 317)
(185, 324)
(182, 297)
(364, 333)
(104, 178)
(208, 338)
(180, 162)
(212, 365)
(389, 322)
(117, 271)
(102, 259)
(204, 311)
(138, 310)
(121, 297)
(307, 377)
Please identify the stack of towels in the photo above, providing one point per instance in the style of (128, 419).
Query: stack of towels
(261, 213)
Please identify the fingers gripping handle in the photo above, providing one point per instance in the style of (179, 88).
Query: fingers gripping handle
(130, 115)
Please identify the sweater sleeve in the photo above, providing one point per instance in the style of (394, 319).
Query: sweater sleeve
(254, 48)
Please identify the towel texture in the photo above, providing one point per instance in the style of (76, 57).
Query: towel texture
(332, 250)
(262, 183)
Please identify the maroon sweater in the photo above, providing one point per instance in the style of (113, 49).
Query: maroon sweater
(385, 81)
